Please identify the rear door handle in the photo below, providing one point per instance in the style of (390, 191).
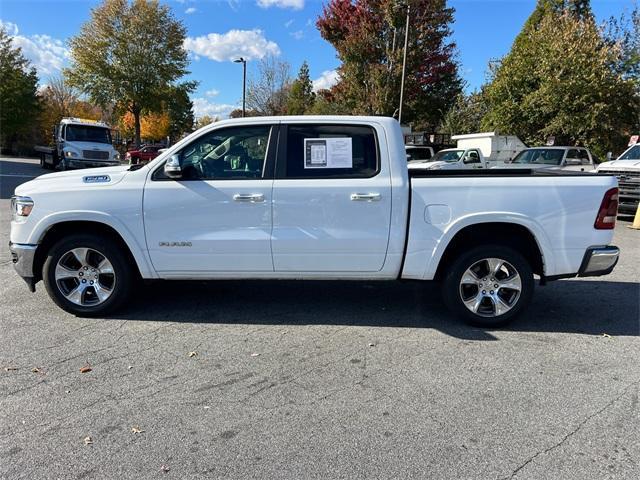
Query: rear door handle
(365, 197)
(249, 197)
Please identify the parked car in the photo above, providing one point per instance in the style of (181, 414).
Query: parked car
(308, 197)
(494, 147)
(452, 159)
(627, 168)
(143, 155)
(418, 153)
(577, 159)
(79, 143)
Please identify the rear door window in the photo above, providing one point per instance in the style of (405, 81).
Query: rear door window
(328, 151)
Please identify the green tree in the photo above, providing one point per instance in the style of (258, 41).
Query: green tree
(19, 105)
(368, 36)
(180, 109)
(465, 115)
(301, 95)
(560, 79)
(625, 32)
(129, 54)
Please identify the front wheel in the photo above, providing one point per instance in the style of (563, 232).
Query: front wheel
(489, 285)
(87, 275)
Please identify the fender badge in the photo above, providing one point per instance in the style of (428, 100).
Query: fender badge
(96, 179)
(175, 244)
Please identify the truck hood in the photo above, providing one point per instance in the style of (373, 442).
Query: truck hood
(621, 165)
(74, 179)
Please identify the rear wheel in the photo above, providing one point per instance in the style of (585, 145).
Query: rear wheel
(489, 285)
(87, 275)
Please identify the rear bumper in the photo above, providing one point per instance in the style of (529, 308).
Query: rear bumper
(597, 261)
(23, 257)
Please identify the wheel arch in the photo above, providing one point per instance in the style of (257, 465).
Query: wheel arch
(61, 229)
(513, 235)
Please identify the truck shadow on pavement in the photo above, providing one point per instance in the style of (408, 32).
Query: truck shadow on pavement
(583, 307)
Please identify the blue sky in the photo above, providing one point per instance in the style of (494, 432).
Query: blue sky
(220, 30)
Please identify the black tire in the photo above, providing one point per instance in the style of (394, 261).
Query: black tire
(43, 163)
(121, 284)
(453, 289)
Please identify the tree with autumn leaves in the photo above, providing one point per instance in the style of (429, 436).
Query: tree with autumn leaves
(368, 36)
(130, 54)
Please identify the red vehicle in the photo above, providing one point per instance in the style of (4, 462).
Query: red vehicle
(142, 155)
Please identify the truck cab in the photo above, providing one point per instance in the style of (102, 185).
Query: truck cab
(80, 143)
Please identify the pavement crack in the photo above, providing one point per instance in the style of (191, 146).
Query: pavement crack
(572, 432)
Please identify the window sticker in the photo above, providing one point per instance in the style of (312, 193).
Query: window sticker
(328, 153)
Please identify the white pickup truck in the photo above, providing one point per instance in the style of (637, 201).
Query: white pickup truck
(452, 159)
(627, 168)
(310, 198)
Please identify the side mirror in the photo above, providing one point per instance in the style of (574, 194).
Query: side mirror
(172, 167)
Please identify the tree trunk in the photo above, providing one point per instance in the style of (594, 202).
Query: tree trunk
(136, 117)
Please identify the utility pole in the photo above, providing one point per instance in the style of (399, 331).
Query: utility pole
(404, 65)
(244, 83)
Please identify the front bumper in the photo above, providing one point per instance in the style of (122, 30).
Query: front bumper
(599, 261)
(23, 257)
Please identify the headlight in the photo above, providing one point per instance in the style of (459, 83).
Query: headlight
(70, 154)
(116, 156)
(21, 207)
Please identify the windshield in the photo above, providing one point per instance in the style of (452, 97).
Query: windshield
(545, 156)
(83, 133)
(414, 154)
(451, 156)
(632, 154)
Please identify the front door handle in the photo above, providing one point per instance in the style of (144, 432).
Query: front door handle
(365, 197)
(249, 197)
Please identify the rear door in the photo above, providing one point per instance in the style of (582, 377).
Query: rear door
(331, 199)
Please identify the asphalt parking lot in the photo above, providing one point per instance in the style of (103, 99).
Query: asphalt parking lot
(319, 380)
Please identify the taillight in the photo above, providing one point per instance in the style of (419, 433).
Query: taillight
(606, 219)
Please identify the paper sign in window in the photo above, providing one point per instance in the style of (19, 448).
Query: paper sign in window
(328, 153)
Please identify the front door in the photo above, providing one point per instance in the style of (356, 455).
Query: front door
(331, 200)
(217, 217)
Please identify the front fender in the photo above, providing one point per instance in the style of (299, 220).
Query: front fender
(130, 238)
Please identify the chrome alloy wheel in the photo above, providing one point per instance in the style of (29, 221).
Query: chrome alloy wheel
(85, 276)
(490, 287)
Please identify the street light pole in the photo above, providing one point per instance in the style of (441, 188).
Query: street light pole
(404, 66)
(244, 83)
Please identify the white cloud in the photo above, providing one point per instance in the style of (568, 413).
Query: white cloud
(327, 80)
(202, 107)
(249, 44)
(9, 27)
(294, 4)
(46, 53)
(212, 93)
(288, 23)
(298, 34)
(190, 10)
